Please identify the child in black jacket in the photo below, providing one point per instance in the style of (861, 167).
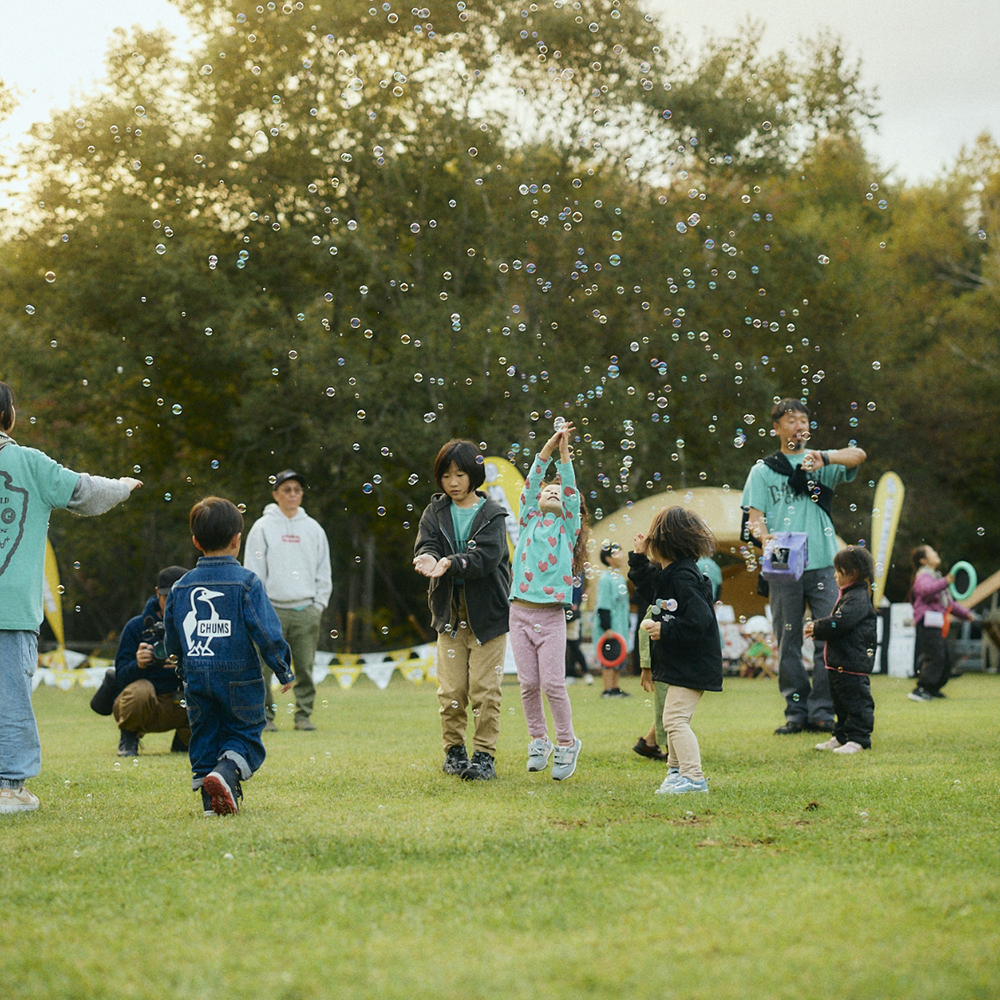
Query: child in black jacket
(686, 649)
(850, 636)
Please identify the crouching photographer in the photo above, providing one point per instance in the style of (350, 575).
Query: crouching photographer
(148, 691)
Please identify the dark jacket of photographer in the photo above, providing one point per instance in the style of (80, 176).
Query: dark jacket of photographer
(163, 678)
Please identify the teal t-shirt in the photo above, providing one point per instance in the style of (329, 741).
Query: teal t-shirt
(461, 521)
(711, 569)
(612, 595)
(771, 493)
(31, 486)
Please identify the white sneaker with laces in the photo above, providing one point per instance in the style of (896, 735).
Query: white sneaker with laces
(849, 747)
(539, 751)
(831, 744)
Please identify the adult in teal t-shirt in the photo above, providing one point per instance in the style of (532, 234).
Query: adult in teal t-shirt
(791, 491)
(31, 486)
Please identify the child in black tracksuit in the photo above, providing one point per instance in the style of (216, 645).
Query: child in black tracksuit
(850, 636)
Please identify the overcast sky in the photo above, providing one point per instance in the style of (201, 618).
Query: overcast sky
(936, 66)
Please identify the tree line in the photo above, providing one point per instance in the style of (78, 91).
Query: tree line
(332, 236)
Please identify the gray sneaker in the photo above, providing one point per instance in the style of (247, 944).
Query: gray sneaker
(673, 776)
(456, 760)
(564, 760)
(539, 751)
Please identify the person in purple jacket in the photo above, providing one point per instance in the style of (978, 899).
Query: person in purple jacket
(931, 605)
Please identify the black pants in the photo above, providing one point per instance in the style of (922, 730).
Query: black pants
(855, 707)
(576, 662)
(933, 658)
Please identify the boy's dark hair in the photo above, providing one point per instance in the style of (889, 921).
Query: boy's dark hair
(856, 562)
(214, 523)
(678, 533)
(789, 405)
(607, 550)
(466, 456)
(6, 407)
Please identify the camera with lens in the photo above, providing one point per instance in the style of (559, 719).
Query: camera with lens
(153, 632)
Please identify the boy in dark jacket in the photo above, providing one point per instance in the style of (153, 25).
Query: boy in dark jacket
(213, 617)
(850, 635)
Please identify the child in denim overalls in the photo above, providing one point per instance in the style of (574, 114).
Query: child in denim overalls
(214, 615)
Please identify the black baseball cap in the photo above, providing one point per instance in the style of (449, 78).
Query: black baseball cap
(168, 577)
(285, 475)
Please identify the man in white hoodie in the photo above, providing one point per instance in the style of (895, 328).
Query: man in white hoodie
(289, 551)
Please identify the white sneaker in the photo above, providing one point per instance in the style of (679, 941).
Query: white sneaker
(673, 776)
(831, 744)
(683, 785)
(564, 760)
(13, 800)
(849, 747)
(539, 751)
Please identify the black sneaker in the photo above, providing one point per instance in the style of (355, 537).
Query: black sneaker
(223, 786)
(792, 727)
(936, 694)
(480, 768)
(456, 760)
(178, 745)
(128, 745)
(206, 803)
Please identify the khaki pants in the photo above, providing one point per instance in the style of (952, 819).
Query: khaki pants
(683, 750)
(139, 709)
(469, 674)
(301, 632)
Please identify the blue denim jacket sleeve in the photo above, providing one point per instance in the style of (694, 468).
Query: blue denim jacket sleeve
(265, 630)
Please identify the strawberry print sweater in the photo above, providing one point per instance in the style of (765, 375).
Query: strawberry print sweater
(543, 559)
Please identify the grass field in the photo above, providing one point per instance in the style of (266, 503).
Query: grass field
(358, 869)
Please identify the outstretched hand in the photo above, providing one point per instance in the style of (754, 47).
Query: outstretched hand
(132, 484)
(559, 440)
(426, 565)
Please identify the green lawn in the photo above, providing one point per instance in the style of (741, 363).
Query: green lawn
(358, 869)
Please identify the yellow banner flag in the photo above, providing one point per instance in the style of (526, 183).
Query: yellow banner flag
(346, 676)
(52, 602)
(885, 517)
(504, 484)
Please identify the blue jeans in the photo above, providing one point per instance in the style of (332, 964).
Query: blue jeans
(225, 707)
(20, 750)
(818, 589)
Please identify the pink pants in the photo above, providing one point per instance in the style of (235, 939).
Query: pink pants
(538, 641)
